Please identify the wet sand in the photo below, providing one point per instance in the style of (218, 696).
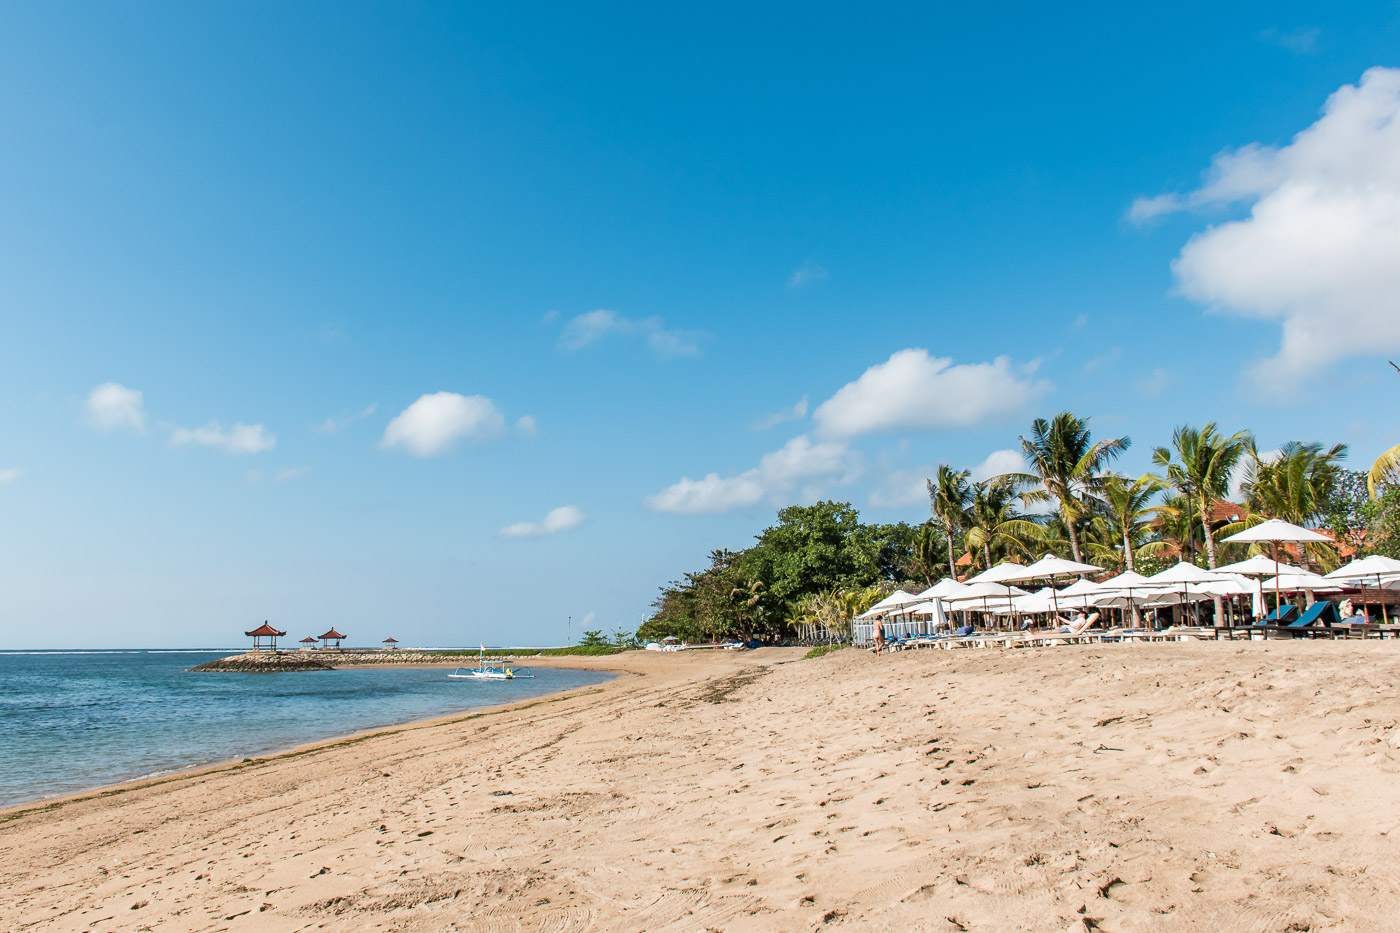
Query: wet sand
(1199, 786)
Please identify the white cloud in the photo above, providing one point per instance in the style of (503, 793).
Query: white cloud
(588, 618)
(112, 406)
(792, 413)
(997, 463)
(1317, 253)
(564, 518)
(1153, 384)
(525, 426)
(431, 424)
(1301, 40)
(1099, 362)
(8, 476)
(913, 390)
(800, 469)
(239, 439)
(901, 488)
(337, 423)
(592, 326)
(809, 274)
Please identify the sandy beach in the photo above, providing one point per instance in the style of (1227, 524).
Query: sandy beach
(1242, 786)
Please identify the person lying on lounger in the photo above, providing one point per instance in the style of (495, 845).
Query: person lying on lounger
(1079, 624)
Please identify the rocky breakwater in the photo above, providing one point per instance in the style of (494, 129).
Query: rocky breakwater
(266, 662)
(269, 662)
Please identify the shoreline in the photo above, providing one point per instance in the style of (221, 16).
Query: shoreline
(1160, 786)
(12, 811)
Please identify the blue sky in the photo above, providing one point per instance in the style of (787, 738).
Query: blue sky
(377, 237)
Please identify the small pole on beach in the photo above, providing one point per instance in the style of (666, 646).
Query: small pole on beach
(569, 633)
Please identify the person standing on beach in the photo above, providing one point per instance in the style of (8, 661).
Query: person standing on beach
(879, 635)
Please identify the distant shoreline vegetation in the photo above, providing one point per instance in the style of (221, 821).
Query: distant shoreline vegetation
(809, 574)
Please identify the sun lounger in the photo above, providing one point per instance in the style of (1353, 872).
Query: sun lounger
(1283, 615)
(1316, 621)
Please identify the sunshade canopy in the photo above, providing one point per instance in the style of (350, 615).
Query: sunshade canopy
(1276, 529)
(1007, 571)
(1052, 566)
(1301, 581)
(1258, 566)
(947, 588)
(890, 603)
(1125, 580)
(1183, 573)
(1377, 565)
(987, 590)
(1082, 588)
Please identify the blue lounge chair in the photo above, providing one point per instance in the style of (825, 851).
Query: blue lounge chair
(1323, 612)
(1317, 619)
(1283, 615)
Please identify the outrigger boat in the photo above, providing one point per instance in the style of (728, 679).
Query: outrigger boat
(491, 670)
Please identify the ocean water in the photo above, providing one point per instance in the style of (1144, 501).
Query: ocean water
(71, 720)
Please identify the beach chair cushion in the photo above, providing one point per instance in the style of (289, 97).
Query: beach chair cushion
(1283, 615)
(1323, 612)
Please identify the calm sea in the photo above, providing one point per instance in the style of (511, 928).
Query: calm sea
(74, 720)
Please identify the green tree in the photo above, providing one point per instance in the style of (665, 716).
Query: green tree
(594, 639)
(1128, 511)
(927, 555)
(995, 525)
(824, 546)
(950, 496)
(1199, 465)
(1066, 466)
(1294, 486)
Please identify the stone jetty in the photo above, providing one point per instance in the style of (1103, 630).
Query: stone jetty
(268, 662)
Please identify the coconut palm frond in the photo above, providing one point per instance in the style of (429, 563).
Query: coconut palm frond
(1385, 471)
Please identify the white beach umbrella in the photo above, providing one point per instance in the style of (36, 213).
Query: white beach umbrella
(1051, 566)
(1278, 530)
(1183, 574)
(1303, 581)
(1386, 570)
(1005, 573)
(1080, 592)
(987, 594)
(947, 588)
(1008, 571)
(1259, 565)
(890, 604)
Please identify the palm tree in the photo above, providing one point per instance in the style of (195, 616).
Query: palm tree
(994, 523)
(1385, 471)
(949, 498)
(1067, 467)
(1200, 464)
(924, 558)
(748, 597)
(1178, 527)
(1295, 486)
(1128, 511)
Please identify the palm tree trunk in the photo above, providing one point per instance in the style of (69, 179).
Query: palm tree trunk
(1073, 536)
(952, 566)
(1210, 555)
(1127, 552)
(987, 554)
